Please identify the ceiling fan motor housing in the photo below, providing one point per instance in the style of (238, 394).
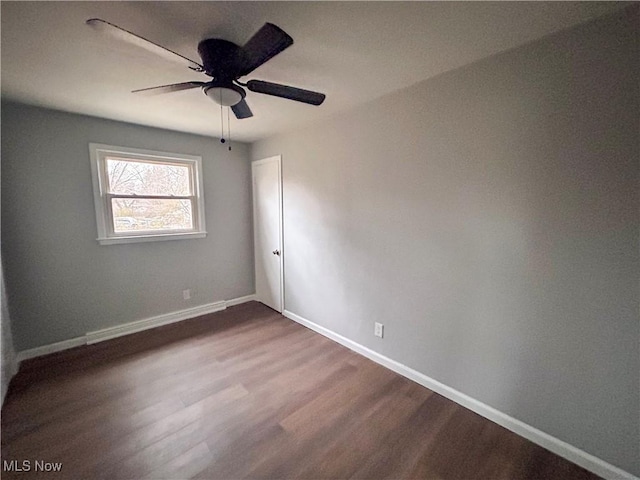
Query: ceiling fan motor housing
(220, 58)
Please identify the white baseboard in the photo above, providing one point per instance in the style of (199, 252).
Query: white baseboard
(152, 322)
(557, 446)
(239, 300)
(51, 348)
(132, 327)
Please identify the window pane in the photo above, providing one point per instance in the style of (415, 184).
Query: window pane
(129, 177)
(143, 214)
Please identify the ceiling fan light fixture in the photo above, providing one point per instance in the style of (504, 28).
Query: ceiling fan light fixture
(225, 96)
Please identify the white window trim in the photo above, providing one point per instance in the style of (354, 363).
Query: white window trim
(106, 236)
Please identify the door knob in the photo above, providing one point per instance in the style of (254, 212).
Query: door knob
(276, 252)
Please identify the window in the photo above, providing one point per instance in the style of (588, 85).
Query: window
(143, 196)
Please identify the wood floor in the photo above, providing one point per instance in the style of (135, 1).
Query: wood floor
(247, 393)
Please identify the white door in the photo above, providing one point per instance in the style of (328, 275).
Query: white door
(267, 231)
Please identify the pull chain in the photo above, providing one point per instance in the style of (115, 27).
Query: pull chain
(222, 140)
(229, 127)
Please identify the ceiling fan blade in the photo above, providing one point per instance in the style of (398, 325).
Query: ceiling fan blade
(132, 38)
(284, 91)
(175, 87)
(266, 43)
(241, 110)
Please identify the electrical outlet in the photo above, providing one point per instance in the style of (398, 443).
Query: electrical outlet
(186, 294)
(378, 329)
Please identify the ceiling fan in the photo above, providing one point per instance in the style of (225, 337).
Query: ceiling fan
(225, 62)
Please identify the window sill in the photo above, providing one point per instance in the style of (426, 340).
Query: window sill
(151, 238)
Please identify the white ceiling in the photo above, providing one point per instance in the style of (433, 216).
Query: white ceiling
(352, 51)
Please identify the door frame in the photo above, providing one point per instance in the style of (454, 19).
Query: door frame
(278, 160)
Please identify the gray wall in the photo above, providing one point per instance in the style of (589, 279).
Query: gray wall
(8, 365)
(488, 218)
(61, 284)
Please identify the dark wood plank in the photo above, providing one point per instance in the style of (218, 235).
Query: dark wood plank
(246, 393)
